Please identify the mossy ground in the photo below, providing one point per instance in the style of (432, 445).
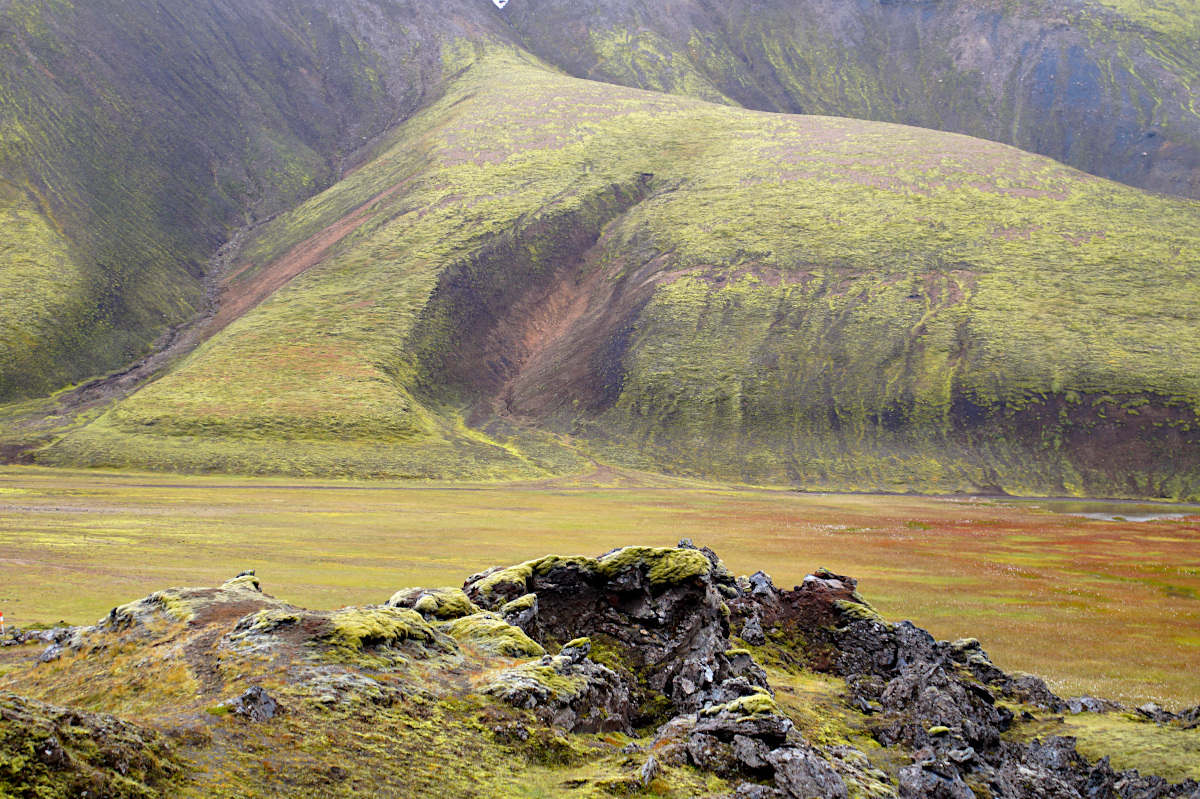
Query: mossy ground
(1118, 596)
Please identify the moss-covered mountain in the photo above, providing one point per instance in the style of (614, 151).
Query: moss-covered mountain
(1106, 86)
(134, 137)
(516, 259)
(695, 288)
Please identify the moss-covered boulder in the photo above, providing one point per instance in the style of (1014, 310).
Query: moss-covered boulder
(567, 691)
(358, 628)
(660, 608)
(521, 612)
(436, 603)
(491, 633)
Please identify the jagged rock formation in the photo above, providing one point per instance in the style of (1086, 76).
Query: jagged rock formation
(50, 752)
(655, 659)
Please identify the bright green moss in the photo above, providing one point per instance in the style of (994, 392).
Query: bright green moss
(756, 704)
(854, 611)
(488, 631)
(519, 604)
(517, 576)
(664, 566)
(441, 603)
(356, 628)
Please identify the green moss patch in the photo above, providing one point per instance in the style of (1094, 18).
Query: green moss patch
(358, 628)
(491, 633)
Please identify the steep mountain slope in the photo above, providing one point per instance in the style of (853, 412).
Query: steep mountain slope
(1108, 87)
(136, 136)
(696, 288)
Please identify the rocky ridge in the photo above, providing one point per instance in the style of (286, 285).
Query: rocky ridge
(655, 668)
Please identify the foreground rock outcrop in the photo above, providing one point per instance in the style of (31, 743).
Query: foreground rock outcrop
(654, 667)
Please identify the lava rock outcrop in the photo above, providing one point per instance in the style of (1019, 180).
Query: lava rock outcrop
(663, 645)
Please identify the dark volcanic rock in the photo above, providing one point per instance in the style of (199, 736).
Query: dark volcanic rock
(933, 780)
(1090, 704)
(802, 774)
(927, 696)
(662, 609)
(255, 704)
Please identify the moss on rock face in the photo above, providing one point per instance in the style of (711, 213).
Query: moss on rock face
(855, 611)
(521, 603)
(664, 566)
(759, 703)
(491, 633)
(357, 628)
(439, 603)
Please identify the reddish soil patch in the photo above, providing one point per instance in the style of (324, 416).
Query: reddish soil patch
(238, 298)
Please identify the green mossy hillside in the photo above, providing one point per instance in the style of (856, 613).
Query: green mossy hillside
(1106, 86)
(703, 290)
(134, 139)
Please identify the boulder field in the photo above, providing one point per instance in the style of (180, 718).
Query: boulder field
(643, 671)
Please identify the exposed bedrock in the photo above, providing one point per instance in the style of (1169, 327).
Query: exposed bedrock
(668, 612)
(650, 642)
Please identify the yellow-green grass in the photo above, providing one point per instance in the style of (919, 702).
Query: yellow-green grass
(1109, 608)
(1130, 741)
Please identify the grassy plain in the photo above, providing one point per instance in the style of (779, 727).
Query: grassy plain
(1106, 607)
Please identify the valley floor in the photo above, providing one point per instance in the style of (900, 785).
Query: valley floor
(1107, 607)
